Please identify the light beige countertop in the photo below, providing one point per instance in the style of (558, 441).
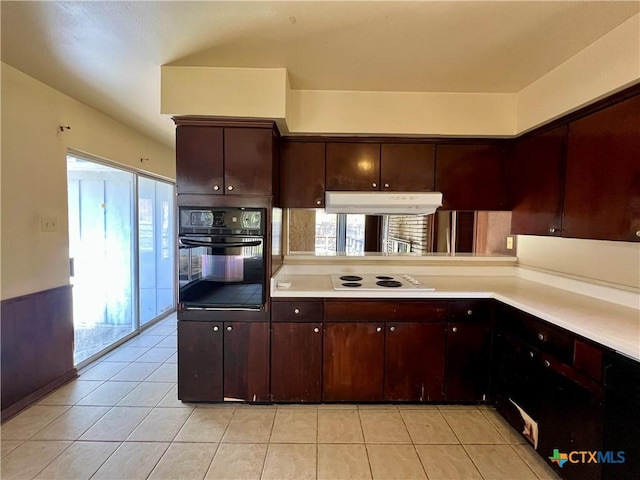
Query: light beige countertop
(614, 325)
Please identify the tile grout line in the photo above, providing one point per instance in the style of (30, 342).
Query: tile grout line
(413, 444)
(462, 445)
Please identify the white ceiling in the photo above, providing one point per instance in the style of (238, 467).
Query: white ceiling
(108, 54)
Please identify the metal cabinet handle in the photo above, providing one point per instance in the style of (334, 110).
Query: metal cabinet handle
(379, 329)
(540, 337)
(638, 233)
(230, 187)
(547, 363)
(296, 311)
(216, 187)
(454, 329)
(316, 330)
(386, 185)
(318, 202)
(229, 329)
(215, 329)
(531, 355)
(374, 185)
(469, 312)
(392, 329)
(553, 230)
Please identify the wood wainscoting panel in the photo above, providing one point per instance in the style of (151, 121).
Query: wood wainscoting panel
(37, 346)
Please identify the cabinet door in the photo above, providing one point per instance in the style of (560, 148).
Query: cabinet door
(602, 197)
(302, 174)
(246, 361)
(407, 167)
(296, 362)
(248, 161)
(199, 160)
(517, 378)
(468, 361)
(536, 183)
(414, 361)
(571, 419)
(200, 361)
(353, 362)
(471, 177)
(353, 166)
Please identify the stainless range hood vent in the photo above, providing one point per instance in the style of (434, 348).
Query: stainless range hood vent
(383, 203)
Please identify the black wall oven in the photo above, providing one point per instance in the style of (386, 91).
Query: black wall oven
(222, 259)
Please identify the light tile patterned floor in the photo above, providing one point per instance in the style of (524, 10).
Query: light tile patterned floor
(121, 420)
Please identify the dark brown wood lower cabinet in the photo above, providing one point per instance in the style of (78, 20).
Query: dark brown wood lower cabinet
(414, 362)
(200, 361)
(296, 362)
(353, 362)
(468, 361)
(246, 361)
(571, 419)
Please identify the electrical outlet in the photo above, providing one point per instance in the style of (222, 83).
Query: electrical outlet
(509, 243)
(48, 224)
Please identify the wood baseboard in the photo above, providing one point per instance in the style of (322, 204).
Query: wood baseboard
(13, 410)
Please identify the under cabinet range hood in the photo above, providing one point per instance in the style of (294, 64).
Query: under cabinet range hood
(383, 203)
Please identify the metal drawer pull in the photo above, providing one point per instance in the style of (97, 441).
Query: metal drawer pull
(318, 202)
(469, 312)
(386, 185)
(374, 185)
(379, 329)
(540, 337)
(215, 329)
(316, 330)
(296, 311)
(216, 188)
(454, 329)
(229, 329)
(392, 329)
(230, 187)
(547, 363)
(531, 355)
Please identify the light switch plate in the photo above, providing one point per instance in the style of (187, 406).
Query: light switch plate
(509, 242)
(48, 223)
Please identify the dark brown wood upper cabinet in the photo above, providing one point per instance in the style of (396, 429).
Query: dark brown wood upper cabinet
(535, 183)
(471, 177)
(353, 166)
(215, 160)
(602, 190)
(199, 159)
(248, 161)
(302, 174)
(407, 167)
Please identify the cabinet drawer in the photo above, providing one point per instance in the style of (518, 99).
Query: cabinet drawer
(420, 311)
(296, 311)
(384, 311)
(357, 310)
(470, 311)
(539, 334)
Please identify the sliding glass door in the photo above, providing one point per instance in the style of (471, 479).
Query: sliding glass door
(122, 269)
(155, 248)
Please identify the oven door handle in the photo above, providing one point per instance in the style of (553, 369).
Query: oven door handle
(198, 243)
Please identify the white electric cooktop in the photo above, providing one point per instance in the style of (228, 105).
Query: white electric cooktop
(355, 281)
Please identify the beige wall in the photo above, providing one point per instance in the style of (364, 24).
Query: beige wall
(607, 65)
(612, 262)
(224, 92)
(34, 181)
